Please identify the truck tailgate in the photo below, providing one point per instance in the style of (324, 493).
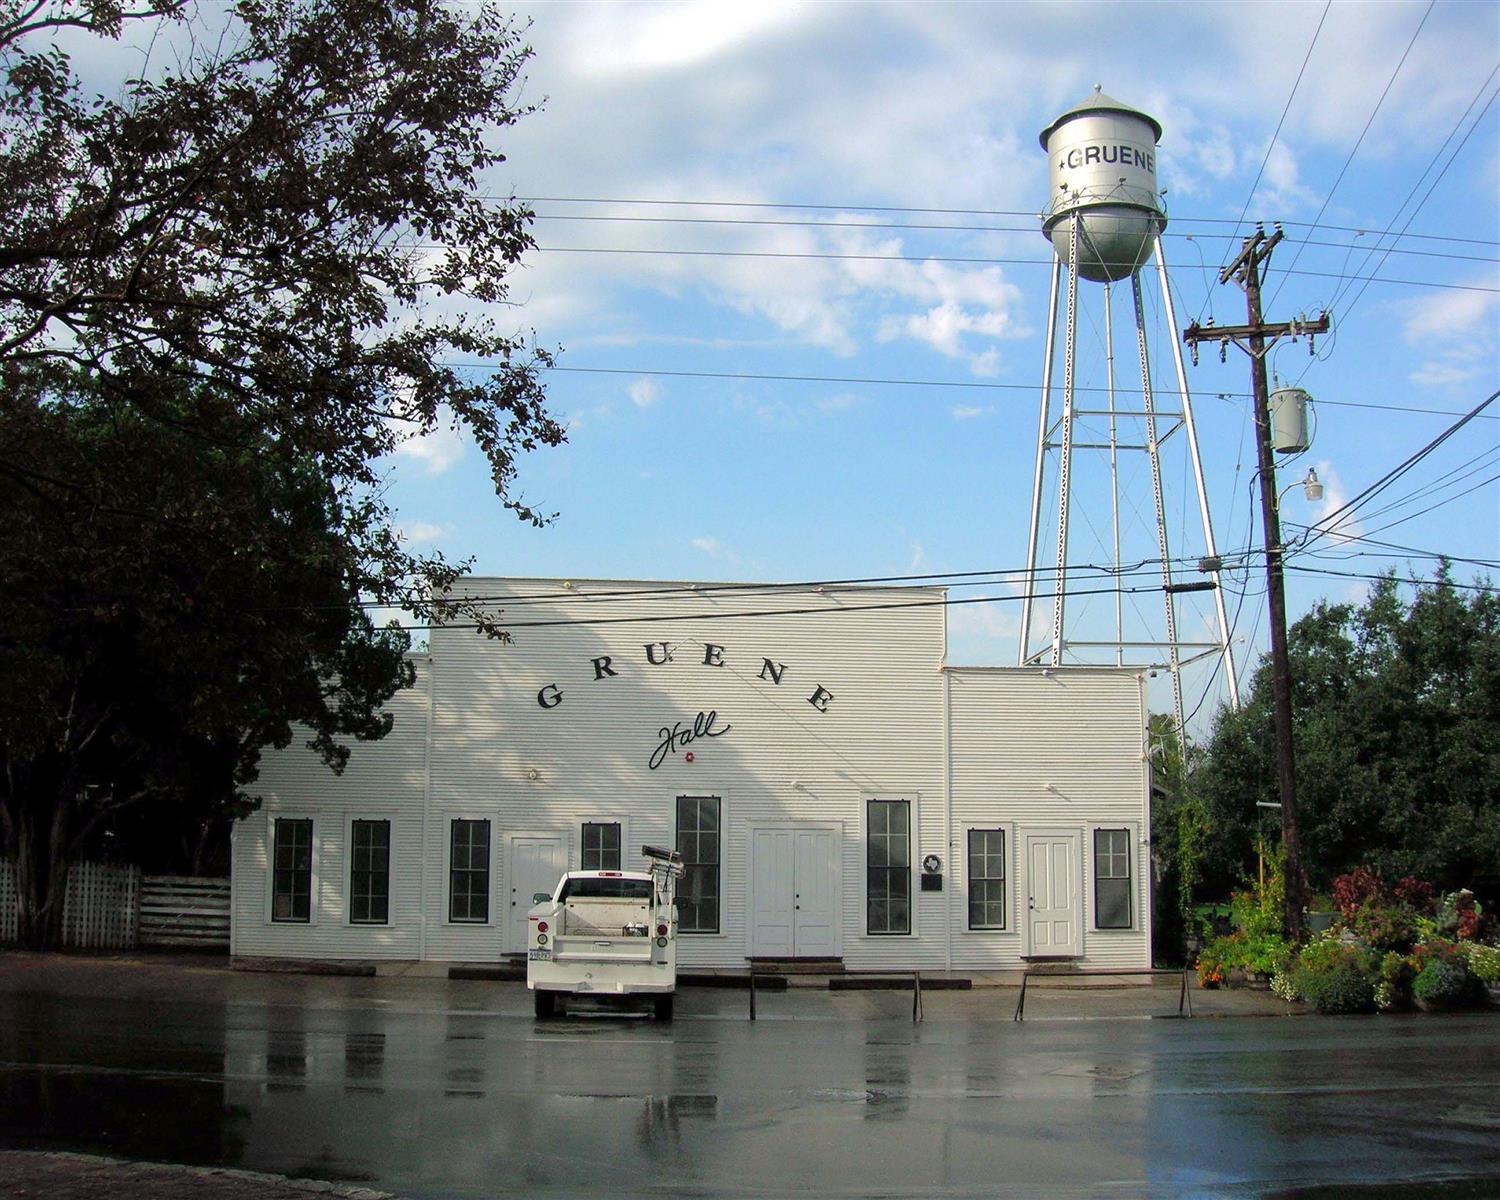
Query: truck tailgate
(601, 949)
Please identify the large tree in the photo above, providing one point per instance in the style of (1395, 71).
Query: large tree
(217, 319)
(1396, 724)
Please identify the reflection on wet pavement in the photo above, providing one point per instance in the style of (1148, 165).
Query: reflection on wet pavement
(417, 1094)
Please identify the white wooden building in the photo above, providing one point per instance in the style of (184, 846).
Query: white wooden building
(837, 791)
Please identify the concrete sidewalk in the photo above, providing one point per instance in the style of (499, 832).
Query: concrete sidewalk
(989, 995)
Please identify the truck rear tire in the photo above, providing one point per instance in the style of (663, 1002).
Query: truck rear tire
(661, 1007)
(546, 1004)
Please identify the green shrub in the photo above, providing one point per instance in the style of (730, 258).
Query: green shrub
(1259, 954)
(1484, 961)
(1444, 978)
(1393, 992)
(1336, 977)
(1384, 926)
(1256, 946)
(1459, 915)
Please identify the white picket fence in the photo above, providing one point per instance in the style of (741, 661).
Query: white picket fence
(109, 907)
(99, 908)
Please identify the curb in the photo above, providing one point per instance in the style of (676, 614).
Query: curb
(116, 1174)
(302, 966)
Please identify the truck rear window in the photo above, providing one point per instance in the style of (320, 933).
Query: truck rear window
(609, 889)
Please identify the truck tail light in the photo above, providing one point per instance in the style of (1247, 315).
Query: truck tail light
(541, 926)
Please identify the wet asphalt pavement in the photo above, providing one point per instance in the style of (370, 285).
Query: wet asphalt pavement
(435, 1088)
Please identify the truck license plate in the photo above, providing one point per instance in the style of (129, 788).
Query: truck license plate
(539, 954)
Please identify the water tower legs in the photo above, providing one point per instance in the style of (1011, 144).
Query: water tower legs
(1059, 435)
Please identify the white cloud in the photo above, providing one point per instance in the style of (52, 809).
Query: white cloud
(1459, 331)
(1281, 185)
(420, 532)
(1335, 496)
(1437, 373)
(840, 403)
(634, 38)
(986, 365)
(966, 412)
(1450, 316)
(708, 545)
(644, 392)
(436, 451)
(984, 633)
(918, 558)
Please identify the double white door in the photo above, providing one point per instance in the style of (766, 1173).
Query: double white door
(794, 893)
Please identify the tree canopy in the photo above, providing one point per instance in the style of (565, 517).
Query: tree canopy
(227, 294)
(1396, 705)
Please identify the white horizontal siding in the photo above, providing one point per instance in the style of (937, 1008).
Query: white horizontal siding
(1061, 749)
(881, 734)
(383, 780)
(495, 753)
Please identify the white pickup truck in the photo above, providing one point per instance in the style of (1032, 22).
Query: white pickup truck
(607, 934)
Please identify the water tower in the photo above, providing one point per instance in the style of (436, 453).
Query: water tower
(1104, 218)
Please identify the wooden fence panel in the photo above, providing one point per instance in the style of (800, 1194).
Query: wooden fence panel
(9, 924)
(99, 908)
(181, 910)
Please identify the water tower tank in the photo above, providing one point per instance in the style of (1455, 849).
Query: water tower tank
(1102, 165)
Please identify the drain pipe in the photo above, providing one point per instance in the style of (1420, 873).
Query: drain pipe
(948, 814)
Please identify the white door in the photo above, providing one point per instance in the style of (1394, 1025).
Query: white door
(771, 891)
(1052, 895)
(793, 893)
(813, 895)
(536, 864)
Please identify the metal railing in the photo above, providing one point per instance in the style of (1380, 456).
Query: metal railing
(1184, 999)
(916, 985)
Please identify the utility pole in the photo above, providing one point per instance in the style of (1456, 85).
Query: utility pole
(1252, 338)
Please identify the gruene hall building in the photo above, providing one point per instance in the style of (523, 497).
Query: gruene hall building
(836, 791)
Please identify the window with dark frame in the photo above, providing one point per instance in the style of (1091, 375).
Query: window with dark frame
(601, 846)
(986, 878)
(291, 886)
(1112, 879)
(469, 872)
(698, 843)
(888, 867)
(370, 872)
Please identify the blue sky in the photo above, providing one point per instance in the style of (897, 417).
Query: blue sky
(837, 119)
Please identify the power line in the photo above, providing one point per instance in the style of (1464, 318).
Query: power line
(1322, 528)
(756, 222)
(983, 385)
(1401, 207)
(975, 212)
(1360, 140)
(992, 577)
(1271, 145)
(1441, 503)
(1487, 589)
(917, 260)
(1401, 550)
(1448, 479)
(822, 610)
